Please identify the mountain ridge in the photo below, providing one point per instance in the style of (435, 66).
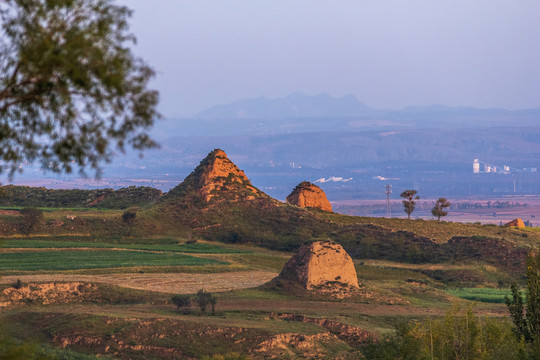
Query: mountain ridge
(293, 105)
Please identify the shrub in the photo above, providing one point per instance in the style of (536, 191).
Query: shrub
(17, 284)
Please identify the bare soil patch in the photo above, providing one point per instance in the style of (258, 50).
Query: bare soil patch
(180, 283)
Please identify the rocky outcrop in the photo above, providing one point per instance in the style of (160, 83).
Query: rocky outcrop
(307, 194)
(217, 178)
(516, 223)
(321, 265)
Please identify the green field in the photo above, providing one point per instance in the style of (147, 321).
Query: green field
(73, 260)
(195, 248)
(487, 295)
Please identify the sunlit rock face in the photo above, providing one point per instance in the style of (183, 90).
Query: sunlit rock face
(320, 264)
(308, 195)
(517, 223)
(218, 178)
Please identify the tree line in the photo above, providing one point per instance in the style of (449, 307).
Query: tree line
(409, 204)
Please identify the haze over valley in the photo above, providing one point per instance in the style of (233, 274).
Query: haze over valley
(352, 154)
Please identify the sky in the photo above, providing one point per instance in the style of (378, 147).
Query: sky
(389, 53)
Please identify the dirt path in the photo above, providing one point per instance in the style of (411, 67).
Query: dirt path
(180, 283)
(308, 308)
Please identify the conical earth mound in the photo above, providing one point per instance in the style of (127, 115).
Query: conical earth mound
(217, 178)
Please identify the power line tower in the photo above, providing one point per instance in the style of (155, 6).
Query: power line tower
(388, 192)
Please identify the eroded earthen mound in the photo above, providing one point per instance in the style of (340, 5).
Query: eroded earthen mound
(307, 194)
(218, 177)
(48, 293)
(517, 223)
(321, 265)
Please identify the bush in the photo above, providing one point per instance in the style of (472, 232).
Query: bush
(17, 284)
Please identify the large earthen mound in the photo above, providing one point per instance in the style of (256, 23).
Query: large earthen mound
(321, 265)
(218, 178)
(517, 223)
(307, 194)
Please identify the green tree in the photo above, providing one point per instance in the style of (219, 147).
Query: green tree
(128, 217)
(213, 303)
(526, 315)
(71, 91)
(457, 335)
(438, 209)
(409, 203)
(204, 298)
(32, 218)
(181, 301)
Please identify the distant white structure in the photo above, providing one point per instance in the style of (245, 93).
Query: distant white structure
(494, 169)
(333, 179)
(476, 166)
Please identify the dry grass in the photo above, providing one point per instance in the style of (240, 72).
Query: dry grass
(178, 283)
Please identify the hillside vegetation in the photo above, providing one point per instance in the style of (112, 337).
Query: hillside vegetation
(24, 196)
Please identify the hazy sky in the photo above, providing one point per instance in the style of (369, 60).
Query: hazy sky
(389, 53)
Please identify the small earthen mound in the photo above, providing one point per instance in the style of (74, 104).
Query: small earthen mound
(517, 223)
(323, 266)
(49, 293)
(307, 194)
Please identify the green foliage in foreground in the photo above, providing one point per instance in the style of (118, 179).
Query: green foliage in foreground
(72, 260)
(227, 356)
(487, 295)
(13, 349)
(458, 335)
(526, 314)
(195, 248)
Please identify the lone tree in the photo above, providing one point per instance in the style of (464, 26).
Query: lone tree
(181, 302)
(438, 209)
(31, 219)
(409, 203)
(128, 217)
(71, 91)
(204, 298)
(526, 316)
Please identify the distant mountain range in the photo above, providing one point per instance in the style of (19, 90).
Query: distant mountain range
(292, 106)
(287, 140)
(298, 113)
